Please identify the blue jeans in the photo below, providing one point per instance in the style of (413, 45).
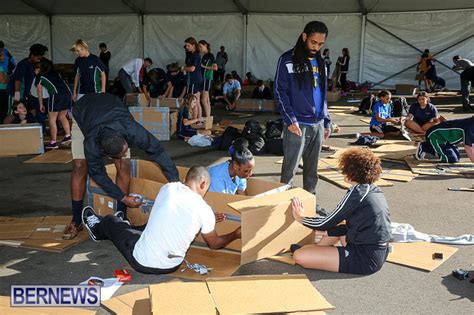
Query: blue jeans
(308, 147)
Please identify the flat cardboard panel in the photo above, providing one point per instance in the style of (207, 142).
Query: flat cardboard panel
(15, 220)
(219, 203)
(224, 263)
(266, 294)
(52, 157)
(286, 258)
(21, 139)
(420, 254)
(181, 298)
(155, 119)
(5, 308)
(134, 303)
(248, 104)
(136, 99)
(405, 89)
(103, 205)
(269, 224)
(168, 102)
(269, 106)
(398, 175)
(146, 188)
(151, 171)
(207, 125)
(435, 168)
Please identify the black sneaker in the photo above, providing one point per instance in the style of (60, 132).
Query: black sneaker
(91, 221)
(321, 211)
(121, 216)
(294, 248)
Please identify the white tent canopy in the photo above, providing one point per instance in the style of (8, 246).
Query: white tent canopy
(383, 37)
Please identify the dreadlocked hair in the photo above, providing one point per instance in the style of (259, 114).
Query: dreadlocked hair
(301, 64)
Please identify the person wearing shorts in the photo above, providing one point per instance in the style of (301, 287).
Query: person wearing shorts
(208, 65)
(102, 127)
(194, 72)
(59, 100)
(366, 231)
(442, 139)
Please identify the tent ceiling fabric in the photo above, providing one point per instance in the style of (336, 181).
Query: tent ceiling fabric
(55, 7)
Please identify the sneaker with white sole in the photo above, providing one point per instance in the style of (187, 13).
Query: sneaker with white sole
(91, 221)
(66, 140)
(121, 216)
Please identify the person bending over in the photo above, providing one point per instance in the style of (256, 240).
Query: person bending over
(442, 139)
(366, 232)
(231, 176)
(422, 115)
(178, 214)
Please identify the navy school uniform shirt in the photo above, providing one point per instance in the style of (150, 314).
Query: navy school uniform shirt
(422, 116)
(208, 60)
(24, 72)
(159, 86)
(90, 69)
(178, 82)
(30, 119)
(183, 130)
(53, 83)
(194, 59)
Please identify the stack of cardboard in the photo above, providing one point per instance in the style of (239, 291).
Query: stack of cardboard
(268, 227)
(136, 99)
(21, 139)
(256, 105)
(156, 120)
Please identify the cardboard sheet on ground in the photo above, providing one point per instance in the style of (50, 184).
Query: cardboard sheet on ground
(5, 308)
(366, 120)
(52, 157)
(238, 295)
(328, 170)
(463, 168)
(266, 294)
(42, 233)
(133, 303)
(342, 108)
(420, 255)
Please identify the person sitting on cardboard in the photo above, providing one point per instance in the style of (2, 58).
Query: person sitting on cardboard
(230, 177)
(381, 115)
(442, 139)
(178, 214)
(186, 119)
(366, 232)
(422, 115)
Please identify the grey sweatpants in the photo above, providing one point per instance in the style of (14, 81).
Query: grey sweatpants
(308, 147)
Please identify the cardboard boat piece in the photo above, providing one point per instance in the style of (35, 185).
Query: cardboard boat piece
(268, 227)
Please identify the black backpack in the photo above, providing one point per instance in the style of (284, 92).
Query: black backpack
(256, 143)
(400, 107)
(229, 135)
(366, 104)
(274, 129)
(252, 126)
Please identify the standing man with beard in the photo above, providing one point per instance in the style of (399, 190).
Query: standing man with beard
(300, 90)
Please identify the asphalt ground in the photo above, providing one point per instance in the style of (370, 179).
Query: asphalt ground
(425, 203)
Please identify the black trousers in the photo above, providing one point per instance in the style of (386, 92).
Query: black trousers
(343, 82)
(3, 105)
(124, 238)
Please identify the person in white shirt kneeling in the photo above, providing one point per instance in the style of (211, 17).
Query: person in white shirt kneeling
(178, 215)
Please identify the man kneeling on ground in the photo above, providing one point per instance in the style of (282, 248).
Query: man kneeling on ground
(175, 219)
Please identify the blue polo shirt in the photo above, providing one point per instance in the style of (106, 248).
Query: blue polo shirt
(221, 181)
(231, 88)
(384, 111)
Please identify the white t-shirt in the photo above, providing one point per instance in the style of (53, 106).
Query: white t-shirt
(177, 216)
(132, 68)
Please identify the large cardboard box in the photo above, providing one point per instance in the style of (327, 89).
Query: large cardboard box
(136, 99)
(255, 105)
(168, 102)
(405, 89)
(268, 227)
(19, 139)
(333, 96)
(155, 119)
(173, 122)
(207, 125)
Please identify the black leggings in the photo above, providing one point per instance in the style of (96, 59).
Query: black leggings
(343, 82)
(124, 238)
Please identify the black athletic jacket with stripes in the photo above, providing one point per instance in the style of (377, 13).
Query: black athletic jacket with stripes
(101, 114)
(366, 213)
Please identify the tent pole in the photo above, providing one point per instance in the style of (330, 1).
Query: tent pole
(142, 34)
(362, 48)
(50, 18)
(244, 63)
